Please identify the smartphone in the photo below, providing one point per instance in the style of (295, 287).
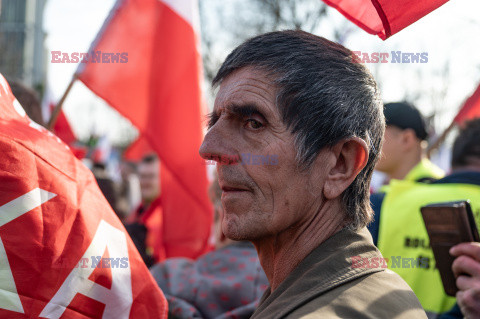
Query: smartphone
(448, 224)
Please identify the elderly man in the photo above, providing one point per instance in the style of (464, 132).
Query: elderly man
(307, 101)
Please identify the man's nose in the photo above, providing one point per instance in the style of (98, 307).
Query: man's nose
(216, 145)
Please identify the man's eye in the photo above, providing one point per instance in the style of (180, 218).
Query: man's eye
(253, 124)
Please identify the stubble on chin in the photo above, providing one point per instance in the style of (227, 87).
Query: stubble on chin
(243, 227)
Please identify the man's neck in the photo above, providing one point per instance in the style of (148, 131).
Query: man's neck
(280, 254)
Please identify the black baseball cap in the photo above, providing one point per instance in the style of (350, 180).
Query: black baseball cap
(404, 115)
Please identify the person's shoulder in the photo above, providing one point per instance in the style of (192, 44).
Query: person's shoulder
(385, 295)
(376, 295)
(461, 177)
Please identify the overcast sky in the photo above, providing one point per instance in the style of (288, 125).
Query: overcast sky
(450, 35)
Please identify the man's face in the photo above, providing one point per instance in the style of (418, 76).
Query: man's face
(392, 150)
(149, 180)
(259, 200)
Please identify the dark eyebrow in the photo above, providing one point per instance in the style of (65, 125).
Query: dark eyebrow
(245, 110)
(240, 111)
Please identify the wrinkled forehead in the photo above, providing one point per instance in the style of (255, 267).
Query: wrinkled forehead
(248, 86)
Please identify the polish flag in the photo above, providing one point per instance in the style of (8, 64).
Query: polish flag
(63, 251)
(158, 89)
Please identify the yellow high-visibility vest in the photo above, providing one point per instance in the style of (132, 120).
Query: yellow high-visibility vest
(403, 239)
(424, 169)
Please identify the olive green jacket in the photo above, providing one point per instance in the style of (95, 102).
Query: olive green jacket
(325, 285)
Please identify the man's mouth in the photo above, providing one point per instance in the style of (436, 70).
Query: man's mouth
(230, 189)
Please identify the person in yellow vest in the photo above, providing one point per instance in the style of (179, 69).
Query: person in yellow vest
(402, 237)
(466, 155)
(403, 154)
(403, 151)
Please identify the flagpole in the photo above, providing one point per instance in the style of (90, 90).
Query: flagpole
(440, 139)
(58, 107)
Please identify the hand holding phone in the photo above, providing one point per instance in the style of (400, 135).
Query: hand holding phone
(449, 224)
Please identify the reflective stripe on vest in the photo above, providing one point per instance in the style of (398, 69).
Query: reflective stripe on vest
(403, 239)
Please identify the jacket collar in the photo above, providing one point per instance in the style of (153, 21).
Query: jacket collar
(326, 267)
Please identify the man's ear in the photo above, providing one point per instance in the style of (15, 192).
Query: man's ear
(349, 157)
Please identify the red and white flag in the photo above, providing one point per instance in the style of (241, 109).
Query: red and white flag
(384, 17)
(63, 251)
(157, 87)
(470, 109)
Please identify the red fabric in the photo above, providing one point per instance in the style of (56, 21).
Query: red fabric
(158, 90)
(152, 218)
(54, 222)
(471, 108)
(384, 17)
(138, 149)
(63, 129)
(79, 151)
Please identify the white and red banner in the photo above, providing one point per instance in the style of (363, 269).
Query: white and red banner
(384, 17)
(158, 90)
(63, 251)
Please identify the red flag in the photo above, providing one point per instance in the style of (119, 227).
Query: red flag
(138, 149)
(471, 108)
(63, 251)
(157, 87)
(384, 17)
(61, 127)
